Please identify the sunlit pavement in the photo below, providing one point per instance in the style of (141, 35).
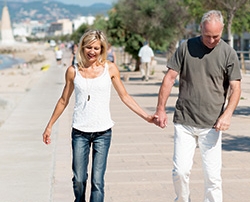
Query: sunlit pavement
(140, 159)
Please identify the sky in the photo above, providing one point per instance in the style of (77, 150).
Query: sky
(77, 2)
(87, 2)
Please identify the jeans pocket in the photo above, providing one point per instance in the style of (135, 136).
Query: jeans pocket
(106, 132)
(76, 133)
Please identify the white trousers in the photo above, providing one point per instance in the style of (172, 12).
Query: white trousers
(186, 139)
(144, 68)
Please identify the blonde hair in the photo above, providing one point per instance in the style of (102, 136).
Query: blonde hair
(88, 38)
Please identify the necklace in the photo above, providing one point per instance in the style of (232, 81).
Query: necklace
(89, 81)
(88, 87)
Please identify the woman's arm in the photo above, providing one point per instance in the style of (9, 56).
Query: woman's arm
(61, 103)
(123, 94)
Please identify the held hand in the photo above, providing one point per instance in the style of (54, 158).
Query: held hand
(150, 119)
(222, 123)
(161, 119)
(46, 136)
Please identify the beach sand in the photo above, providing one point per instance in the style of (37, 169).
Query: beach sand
(17, 80)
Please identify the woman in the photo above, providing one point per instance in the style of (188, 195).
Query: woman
(73, 60)
(111, 56)
(91, 80)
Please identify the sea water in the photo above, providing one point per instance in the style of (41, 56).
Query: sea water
(7, 61)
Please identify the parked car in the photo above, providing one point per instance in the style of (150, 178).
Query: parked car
(52, 43)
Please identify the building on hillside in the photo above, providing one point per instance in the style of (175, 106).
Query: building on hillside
(29, 28)
(61, 27)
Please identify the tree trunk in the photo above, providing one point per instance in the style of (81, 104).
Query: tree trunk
(229, 27)
(137, 65)
(171, 49)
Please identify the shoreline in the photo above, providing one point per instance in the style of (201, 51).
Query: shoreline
(8, 61)
(17, 80)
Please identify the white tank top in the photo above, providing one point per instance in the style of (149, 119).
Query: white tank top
(92, 102)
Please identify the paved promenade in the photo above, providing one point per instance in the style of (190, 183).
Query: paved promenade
(140, 159)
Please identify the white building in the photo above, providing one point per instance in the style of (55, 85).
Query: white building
(83, 19)
(30, 28)
(66, 26)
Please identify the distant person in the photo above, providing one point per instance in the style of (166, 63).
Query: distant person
(73, 59)
(91, 82)
(56, 48)
(62, 46)
(207, 67)
(111, 56)
(59, 55)
(146, 56)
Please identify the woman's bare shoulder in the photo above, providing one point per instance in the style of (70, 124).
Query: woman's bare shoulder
(70, 72)
(113, 70)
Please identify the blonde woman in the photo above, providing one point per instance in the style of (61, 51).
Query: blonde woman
(92, 125)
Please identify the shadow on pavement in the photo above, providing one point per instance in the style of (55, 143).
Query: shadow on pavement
(235, 143)
(242, 110)
(151, 95)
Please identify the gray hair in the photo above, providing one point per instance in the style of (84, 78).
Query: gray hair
(212, 15)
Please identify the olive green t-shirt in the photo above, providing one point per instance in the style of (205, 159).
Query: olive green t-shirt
(204, 80)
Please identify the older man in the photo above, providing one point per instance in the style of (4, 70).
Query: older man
(207, 67)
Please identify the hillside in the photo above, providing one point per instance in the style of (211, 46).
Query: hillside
(50, 11)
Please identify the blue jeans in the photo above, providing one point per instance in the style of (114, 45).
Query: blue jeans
(81, 143)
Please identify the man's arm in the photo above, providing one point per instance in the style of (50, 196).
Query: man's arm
(224, 120)
(165, 90)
